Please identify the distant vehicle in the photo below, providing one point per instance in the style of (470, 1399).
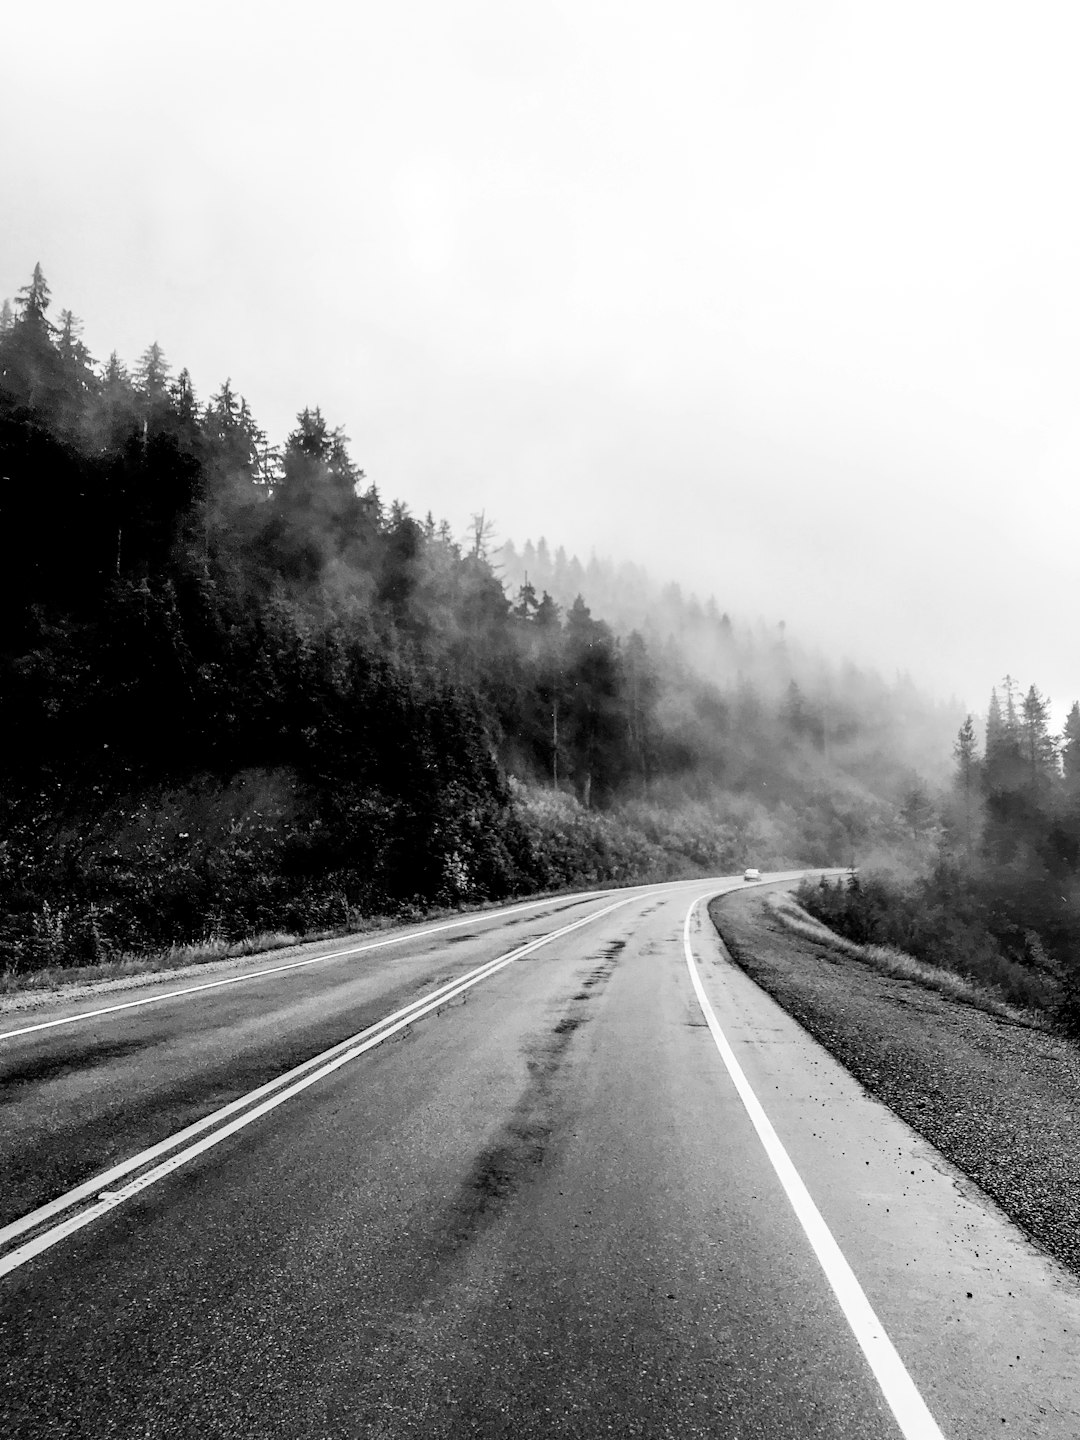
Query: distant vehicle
(751, 874)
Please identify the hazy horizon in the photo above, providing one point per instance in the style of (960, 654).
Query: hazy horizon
(779, 305)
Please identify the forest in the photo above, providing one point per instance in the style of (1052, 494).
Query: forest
(997, 895)
(246, 694)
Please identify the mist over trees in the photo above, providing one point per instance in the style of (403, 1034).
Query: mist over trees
(765, 713)
(243, 691)
(998, 895)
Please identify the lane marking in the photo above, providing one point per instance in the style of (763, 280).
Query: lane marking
(555, 901)
(327, 1063)
(901, 1394)
(136, 1162)
(300, 964)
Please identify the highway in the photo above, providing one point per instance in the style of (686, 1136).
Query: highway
(555, 1170)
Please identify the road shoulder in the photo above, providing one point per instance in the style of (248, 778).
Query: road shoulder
(999, 1100)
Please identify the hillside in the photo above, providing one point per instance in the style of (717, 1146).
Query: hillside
(247, 693)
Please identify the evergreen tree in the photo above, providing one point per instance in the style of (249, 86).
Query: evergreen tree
(1070, 748)
(152, 380)
(551, 683)
(995, 725)
(641, 690)
(34, 299)
(967, 777)
(594, 681)
(1011, 721)
(1037, 745)
(73, 352)
(79, 380)
(239, 463)
(32, 374)
(1005, 770)
(547, 613)
(527, 604)
(182, 394)
(317, 512)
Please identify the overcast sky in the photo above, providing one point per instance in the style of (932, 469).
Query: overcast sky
(780, 298)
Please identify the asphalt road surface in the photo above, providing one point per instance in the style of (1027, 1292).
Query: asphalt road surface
(560, 1170)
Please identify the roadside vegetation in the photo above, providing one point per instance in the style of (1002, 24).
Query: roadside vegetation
(996, 898)
(892, 961)
(246, 694)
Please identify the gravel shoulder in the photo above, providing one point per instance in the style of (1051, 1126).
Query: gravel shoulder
(1000, 1100)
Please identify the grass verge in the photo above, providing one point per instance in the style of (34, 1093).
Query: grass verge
(891, 961)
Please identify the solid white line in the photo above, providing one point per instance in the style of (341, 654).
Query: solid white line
(347, 1050)
(300, 964)
(900, 1392)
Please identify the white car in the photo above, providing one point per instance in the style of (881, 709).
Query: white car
(751, 874)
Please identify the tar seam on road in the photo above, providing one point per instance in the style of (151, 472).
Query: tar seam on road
(341, 1054)
(907, 1405)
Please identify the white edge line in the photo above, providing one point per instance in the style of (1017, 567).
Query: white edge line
(299, 964)
(358, 1045)
(478, 916)
(901, 1394)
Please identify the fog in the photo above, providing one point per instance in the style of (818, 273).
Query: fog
(778, 300)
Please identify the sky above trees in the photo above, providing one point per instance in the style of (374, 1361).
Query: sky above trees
(779, 300)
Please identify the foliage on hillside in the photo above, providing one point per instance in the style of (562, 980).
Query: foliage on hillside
(998, 898)
(244, 692)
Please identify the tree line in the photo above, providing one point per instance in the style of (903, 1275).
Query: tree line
(998, 898)
(244, 692)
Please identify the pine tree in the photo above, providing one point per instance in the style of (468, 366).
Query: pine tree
(152, 379)
(79, 379)
(1011, 721)
(1070, 747)
(547, 613)
(1037, 745)
(527, 604)
(112, 418)
(551, 684)
(593, 683)
(642, 686)
(32, 372)
(33, 300)
(317, 514)
(967, 776)
(116, 376)
(1004, 765)
(69, 341)
(182, 393)
(224, 406)
(995, 725)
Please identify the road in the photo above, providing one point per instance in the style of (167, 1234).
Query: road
(589, 1181)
